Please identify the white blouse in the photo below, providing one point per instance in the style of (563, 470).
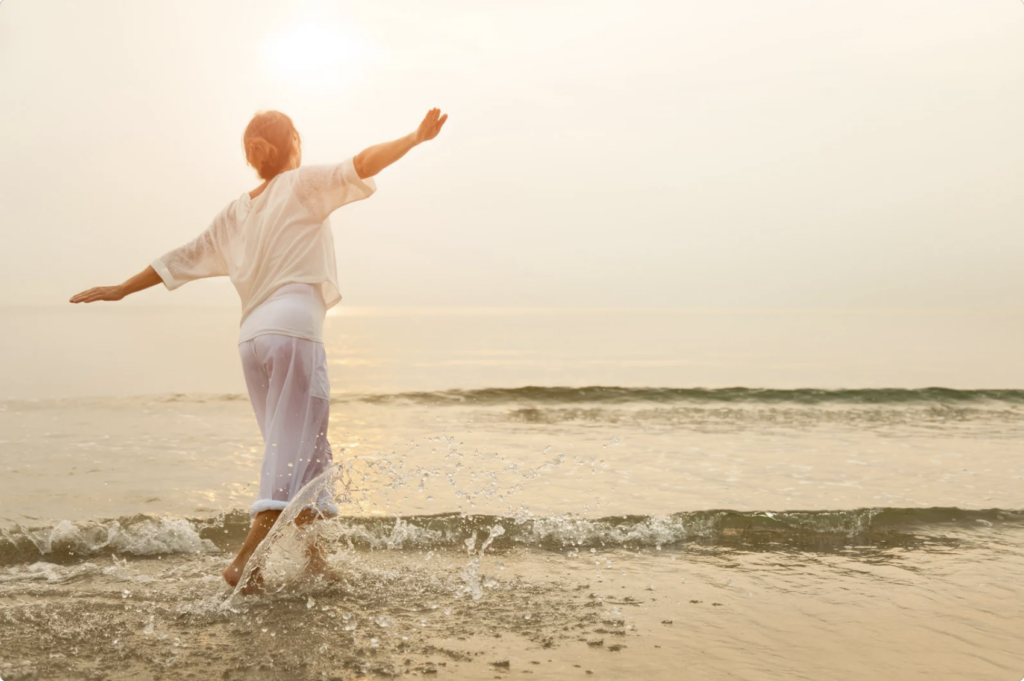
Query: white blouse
(282, 236)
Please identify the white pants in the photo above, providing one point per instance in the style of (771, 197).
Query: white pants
(290, 393)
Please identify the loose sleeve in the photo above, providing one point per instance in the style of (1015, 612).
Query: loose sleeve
(323, 189)
(200, 258)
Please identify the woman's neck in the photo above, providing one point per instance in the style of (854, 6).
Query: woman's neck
(293, 163)
(259, 190)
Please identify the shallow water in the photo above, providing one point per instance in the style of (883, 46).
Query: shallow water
(617, 532)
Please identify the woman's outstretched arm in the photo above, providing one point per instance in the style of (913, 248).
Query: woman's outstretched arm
(374, 159)
(144, 279)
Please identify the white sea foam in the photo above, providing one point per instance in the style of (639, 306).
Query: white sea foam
(143, 537)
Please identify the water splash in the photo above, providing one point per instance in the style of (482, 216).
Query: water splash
(473, 580)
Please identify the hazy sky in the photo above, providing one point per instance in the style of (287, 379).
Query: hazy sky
(793, 153)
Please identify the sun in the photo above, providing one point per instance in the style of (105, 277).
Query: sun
(309, 53)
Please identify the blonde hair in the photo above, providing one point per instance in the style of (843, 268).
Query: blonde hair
(268, 142)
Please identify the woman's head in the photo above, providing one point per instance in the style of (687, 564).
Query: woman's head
(272, 144)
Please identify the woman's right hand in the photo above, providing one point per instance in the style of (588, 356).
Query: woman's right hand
(143, 280)
(430, 126)
(99, 293)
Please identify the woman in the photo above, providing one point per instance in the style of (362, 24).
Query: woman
(275, 244)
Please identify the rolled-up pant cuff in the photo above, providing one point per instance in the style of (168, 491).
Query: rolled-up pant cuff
(329, 510)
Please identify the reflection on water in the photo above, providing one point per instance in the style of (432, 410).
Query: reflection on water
(199, 456)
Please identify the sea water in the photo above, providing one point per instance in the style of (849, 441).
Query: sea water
(581, 494)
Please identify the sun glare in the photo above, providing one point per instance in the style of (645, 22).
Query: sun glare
(312, 54)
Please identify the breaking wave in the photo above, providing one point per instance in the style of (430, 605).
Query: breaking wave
(610, 395)
(147, 536)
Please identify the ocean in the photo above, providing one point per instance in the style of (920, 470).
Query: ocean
(616, 494)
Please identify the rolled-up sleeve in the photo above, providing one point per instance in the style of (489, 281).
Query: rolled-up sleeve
(200, 258)
(165, 274)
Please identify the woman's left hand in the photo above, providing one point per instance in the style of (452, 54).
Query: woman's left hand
(430, 126)
(99, 293)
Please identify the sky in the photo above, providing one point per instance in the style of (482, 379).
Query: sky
(642, 154)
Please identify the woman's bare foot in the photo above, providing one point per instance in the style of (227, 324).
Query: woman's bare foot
(257, 532)
(255, 583)
(316, 555)
(317, 564)
(232, 573)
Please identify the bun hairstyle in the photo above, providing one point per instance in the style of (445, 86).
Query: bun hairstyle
(268, 142)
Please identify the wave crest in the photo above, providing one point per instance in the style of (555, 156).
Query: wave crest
(67, 542)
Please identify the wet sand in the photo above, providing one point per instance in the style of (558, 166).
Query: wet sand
(694, 612)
